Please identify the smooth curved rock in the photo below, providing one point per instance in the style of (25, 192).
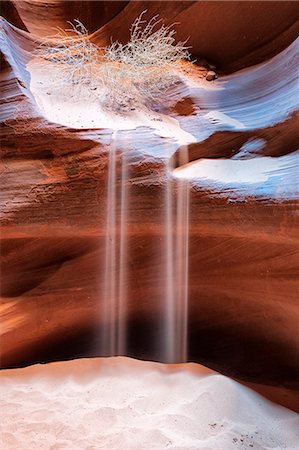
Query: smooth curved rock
(231, 34)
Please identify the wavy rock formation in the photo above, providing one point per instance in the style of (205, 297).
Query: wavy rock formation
(231, 34)
(232, 142)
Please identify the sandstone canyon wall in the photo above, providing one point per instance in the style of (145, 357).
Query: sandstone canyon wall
(243, 236)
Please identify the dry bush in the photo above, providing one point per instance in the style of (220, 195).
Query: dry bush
(129, 74)
(74, 54)
(147, 65)
(151, 47)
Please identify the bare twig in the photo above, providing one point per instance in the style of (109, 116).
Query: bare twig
(74, 53)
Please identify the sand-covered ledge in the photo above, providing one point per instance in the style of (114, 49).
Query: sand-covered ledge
(125, 404)
(80, 106)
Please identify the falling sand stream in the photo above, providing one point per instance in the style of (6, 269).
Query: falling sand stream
(113, 336)
(177, 237)
(175, 218)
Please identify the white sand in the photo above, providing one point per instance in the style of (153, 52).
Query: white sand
(120, 404)
(231, 171)
(80, 107)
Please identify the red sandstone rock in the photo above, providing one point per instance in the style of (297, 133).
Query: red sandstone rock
(231, 34)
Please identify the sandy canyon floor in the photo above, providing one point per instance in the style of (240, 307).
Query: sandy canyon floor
(125, 404)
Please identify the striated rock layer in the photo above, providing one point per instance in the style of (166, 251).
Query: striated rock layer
(243, 241)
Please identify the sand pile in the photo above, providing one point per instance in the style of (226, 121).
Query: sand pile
(120, 403)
